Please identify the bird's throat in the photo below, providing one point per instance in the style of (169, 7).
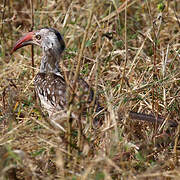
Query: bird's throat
(49, 64)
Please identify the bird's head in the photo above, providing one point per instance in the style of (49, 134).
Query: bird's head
(49, 39)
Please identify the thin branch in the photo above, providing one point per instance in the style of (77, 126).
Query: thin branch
(32, 27)
(126, 49)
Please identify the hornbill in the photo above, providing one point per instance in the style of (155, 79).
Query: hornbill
(52, 86)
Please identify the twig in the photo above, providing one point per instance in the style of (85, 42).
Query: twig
(32, 27)
(70, 104)
(176, 145)
(125, 37)
(32, 46)
(2, 26)
(119, 10)
(175, 10)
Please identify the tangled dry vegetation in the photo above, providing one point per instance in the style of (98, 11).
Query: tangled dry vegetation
(131, 58)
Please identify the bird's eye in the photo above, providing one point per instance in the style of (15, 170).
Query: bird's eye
(38, 37)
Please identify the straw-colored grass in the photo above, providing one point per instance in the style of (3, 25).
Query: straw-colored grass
(128, 51)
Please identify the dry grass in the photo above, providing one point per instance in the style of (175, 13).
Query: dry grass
(133, 62)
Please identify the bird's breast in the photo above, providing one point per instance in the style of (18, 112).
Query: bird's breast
(51, 91)
(54, 94)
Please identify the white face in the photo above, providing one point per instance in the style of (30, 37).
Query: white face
(47, 39)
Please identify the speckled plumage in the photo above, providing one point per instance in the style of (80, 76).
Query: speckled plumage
(50, 85)
(52, 91)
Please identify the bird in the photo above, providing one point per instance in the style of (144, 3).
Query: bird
(52, 87)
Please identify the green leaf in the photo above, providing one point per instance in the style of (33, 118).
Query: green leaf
(139, 157)
(99, 176)
(38, 152)
(88, 43)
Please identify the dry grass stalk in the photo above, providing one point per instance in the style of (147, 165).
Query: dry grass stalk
(146, 58)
